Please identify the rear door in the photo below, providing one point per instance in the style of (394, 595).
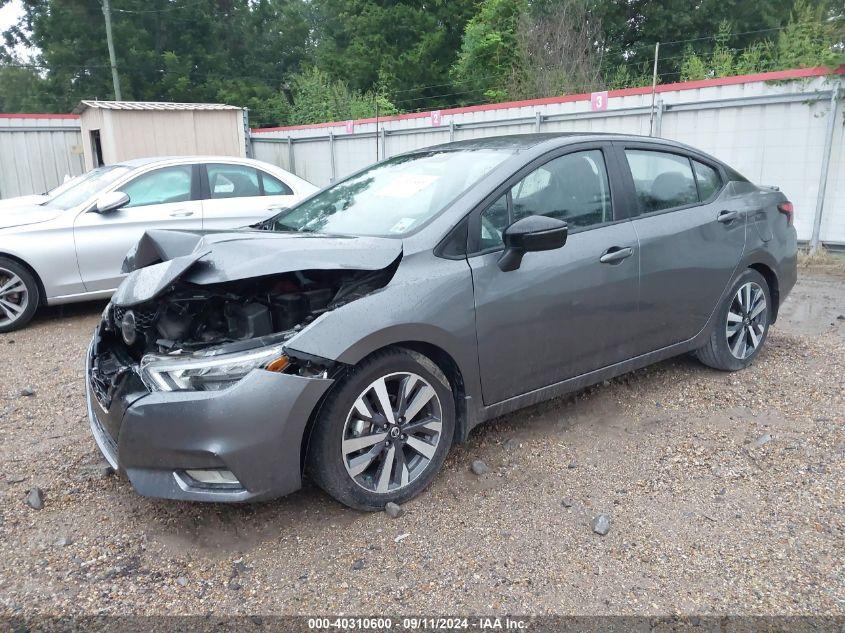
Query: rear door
(691, 233)
(162, 198)
(236, 195)
(563, 312)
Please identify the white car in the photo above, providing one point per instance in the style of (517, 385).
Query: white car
(71, 246)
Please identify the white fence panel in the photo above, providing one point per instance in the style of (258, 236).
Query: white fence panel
(770, 127)
(36, 153)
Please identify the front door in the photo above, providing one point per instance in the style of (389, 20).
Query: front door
(163, 198)
(692, 235)
(564, 312)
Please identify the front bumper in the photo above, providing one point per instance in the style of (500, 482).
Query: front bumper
(253, 429)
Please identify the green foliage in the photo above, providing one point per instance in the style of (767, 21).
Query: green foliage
(316, 97)
(488, 54)
(807, 40)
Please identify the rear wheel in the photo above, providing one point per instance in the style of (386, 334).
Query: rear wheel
(18, 295)
(742, 324)
(384, 430)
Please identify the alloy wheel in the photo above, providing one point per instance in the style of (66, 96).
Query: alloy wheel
(14, 297)
(392, 432)
(747, 318)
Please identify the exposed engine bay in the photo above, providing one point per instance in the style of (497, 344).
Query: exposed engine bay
(190, 317)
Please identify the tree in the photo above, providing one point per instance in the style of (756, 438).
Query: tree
(488, 57)
(403, 47)
(316, 97)
(558, 51)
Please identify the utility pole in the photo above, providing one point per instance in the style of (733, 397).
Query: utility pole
(653, 89)
(115, 79)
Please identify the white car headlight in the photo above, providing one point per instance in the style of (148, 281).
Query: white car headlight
(209, 371)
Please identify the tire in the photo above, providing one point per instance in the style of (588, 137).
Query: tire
(18, 288)
(732, 352)
(351, 416)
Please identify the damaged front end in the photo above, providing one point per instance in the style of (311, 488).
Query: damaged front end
(189, 373)
(200, 310)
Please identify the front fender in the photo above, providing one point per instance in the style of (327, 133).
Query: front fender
(429, 300)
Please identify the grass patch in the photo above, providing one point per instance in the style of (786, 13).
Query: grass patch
(822, 260)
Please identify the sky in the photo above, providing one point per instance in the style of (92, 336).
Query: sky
(10, 13)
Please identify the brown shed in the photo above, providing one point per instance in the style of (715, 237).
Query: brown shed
(113, 131)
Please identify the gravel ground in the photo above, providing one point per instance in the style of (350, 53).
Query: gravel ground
(724, 493)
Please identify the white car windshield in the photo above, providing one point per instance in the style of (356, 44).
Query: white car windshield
(88, 185)
(393, 198)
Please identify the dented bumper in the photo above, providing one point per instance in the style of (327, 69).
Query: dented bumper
(253, 429)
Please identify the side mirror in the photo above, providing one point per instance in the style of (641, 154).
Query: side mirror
(534, 233)
(111, 201)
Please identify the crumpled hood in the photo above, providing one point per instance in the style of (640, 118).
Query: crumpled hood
(26, 214)
(209, 257)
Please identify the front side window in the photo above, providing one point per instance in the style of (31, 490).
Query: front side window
(573, 188)
(162, 186)
(661, 180)
(392, 198)
(233, 181)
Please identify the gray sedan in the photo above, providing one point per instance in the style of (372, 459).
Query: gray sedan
(357, 336)
(69, 246)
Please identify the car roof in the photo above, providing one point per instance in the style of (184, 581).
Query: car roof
(518, 142)
(149, 160)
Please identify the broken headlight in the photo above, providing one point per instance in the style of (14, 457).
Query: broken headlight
(209, 371)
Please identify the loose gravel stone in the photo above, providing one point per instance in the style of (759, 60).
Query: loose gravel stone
(64, 541)
(35, 498)
(762, 440)
(601, 525)
(358, 565)
(479, 467)
(27, 393)
(566, 503)
(182, 581)
(394, 510)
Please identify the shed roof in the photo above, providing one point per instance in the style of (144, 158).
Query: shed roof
(150, 105)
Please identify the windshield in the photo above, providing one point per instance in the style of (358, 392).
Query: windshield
(393, 198)
(88, 185)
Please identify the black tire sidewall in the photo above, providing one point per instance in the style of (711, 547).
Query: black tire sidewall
(32, 289)
(325, 460)
(720, 341)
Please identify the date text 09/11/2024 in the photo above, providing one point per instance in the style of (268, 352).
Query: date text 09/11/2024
(419, 623)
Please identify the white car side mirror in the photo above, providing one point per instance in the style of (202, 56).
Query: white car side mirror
(111, 201)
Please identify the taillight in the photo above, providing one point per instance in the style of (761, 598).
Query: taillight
(787, 209)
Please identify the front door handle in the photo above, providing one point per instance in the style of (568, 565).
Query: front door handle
(181, 214)
(616, 254)
(726, 217)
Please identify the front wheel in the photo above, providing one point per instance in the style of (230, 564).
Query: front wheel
(742, 324)
(19, 295)
(384, 430)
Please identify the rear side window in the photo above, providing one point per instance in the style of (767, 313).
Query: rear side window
(233, 181)
(274, 186)
(708, 180)
(661, 180)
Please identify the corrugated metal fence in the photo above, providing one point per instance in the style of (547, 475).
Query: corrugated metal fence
(37, 152)
(775, 128)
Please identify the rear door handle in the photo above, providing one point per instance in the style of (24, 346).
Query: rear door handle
(181, 214)
(616, 254)
(726, 217)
